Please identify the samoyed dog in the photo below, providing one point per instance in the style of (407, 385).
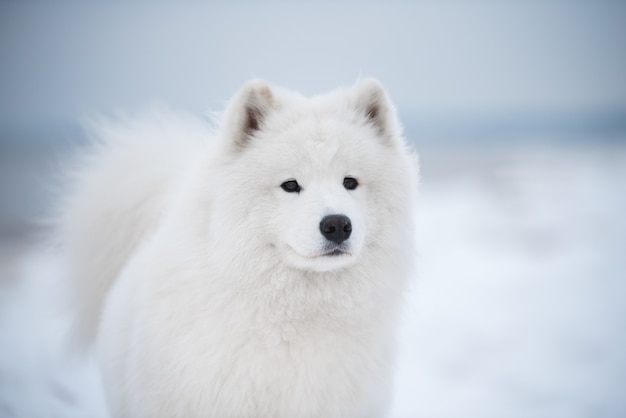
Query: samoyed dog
(252, 269)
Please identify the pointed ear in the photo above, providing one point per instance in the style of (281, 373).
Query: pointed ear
(368, 98)
(247, 111)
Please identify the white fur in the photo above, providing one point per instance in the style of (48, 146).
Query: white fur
(205, 284)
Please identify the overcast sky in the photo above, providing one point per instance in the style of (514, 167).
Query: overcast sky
(63, 60)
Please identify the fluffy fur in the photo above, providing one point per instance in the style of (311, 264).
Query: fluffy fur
(210, 290)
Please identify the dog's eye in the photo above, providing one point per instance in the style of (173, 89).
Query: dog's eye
(291, 186)
(350, 183)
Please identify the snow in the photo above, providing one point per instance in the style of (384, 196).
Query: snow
(518, 307)
(516, 310)
(38, 376)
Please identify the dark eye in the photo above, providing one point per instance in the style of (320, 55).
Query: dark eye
(350, 183)
(291, 186)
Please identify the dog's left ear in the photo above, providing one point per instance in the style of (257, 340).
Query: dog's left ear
(368, 97)
(246, 113)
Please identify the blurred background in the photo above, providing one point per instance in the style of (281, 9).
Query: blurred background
(518, 111)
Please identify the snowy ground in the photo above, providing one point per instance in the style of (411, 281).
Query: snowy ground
(517, 310)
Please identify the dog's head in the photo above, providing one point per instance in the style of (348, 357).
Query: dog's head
(321, 181)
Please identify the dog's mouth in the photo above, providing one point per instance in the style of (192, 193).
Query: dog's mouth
(333, 253)
(330, 253)
(327, 258)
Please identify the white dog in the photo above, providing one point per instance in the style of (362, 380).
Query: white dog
(261, 276)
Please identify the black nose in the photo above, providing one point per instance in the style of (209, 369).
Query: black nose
(336, 228)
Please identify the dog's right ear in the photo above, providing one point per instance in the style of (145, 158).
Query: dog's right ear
(246, 113)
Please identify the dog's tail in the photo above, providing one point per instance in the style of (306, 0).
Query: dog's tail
(116, 195)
